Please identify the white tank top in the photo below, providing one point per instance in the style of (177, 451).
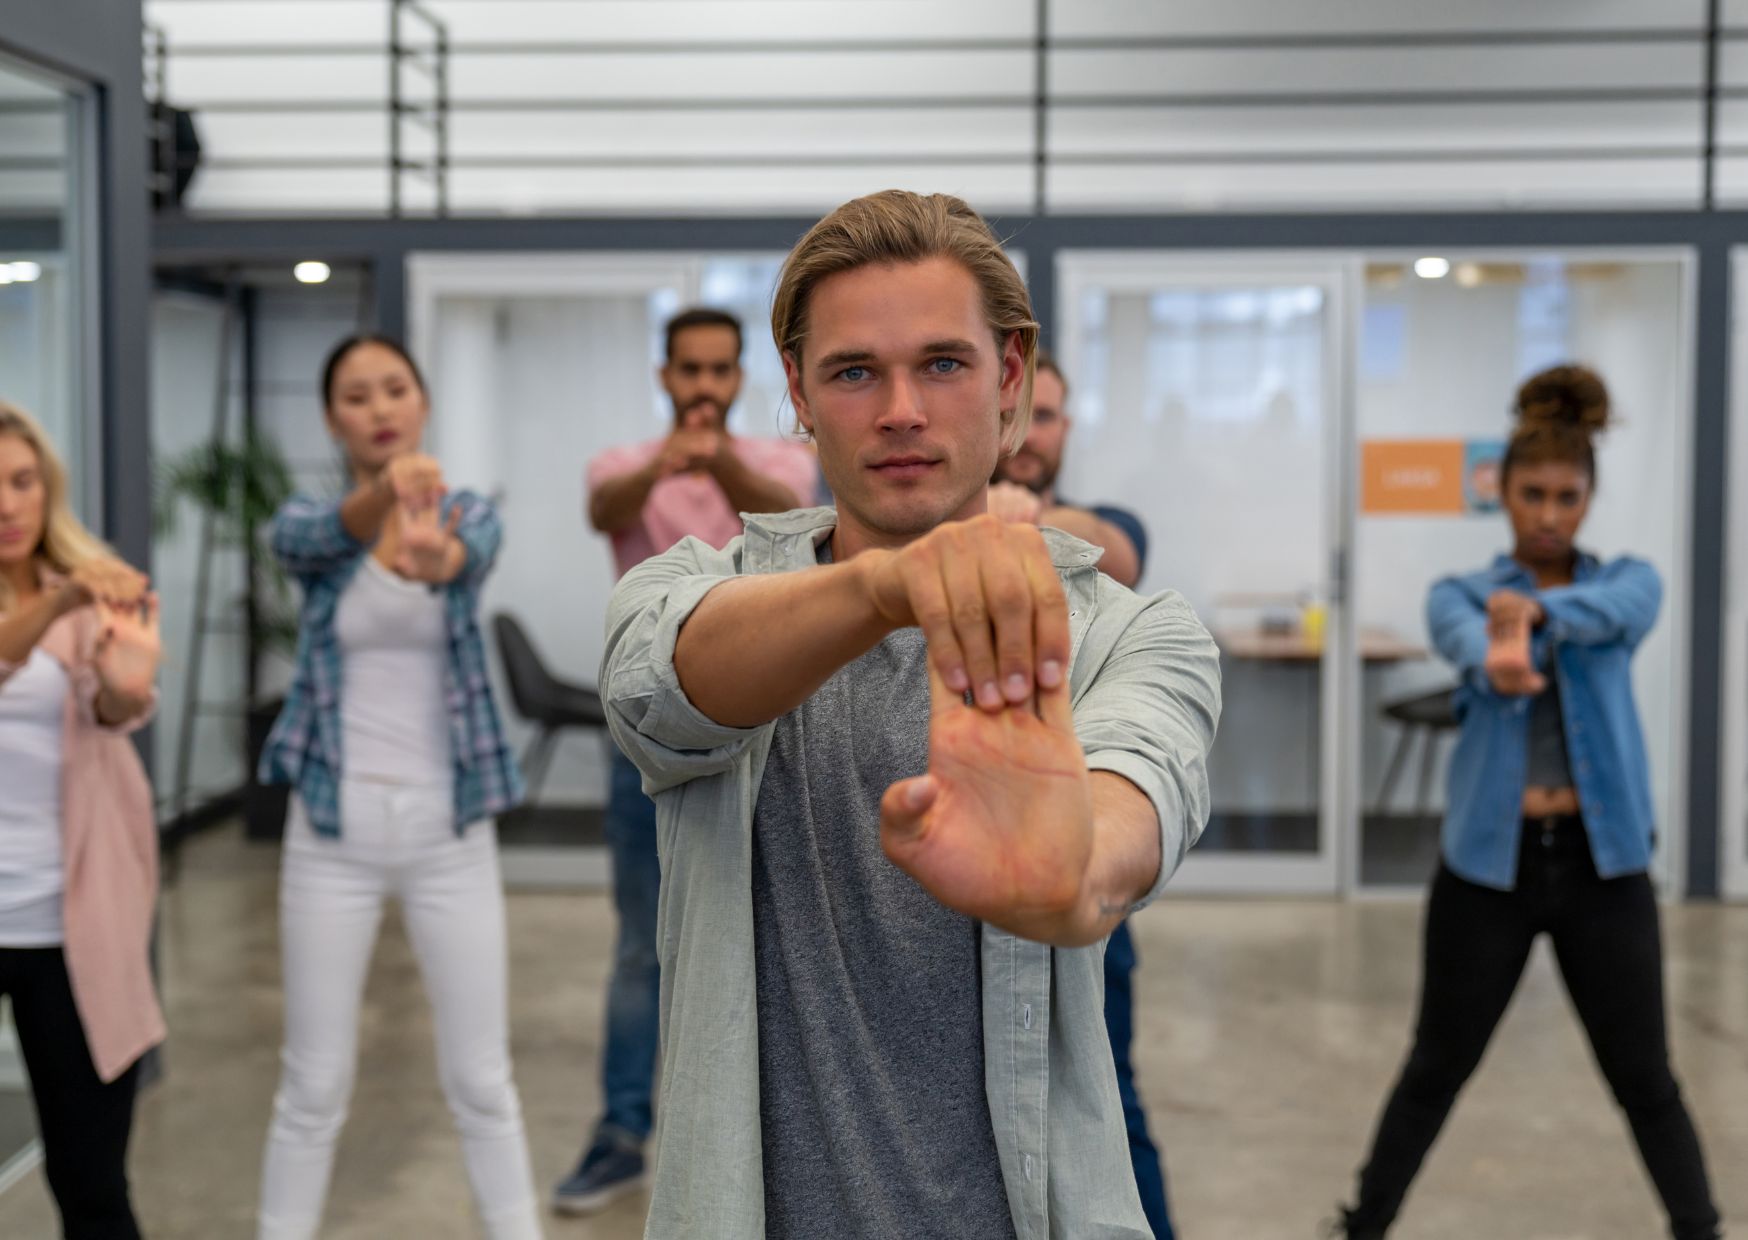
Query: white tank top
(394, 654)
(33, 703)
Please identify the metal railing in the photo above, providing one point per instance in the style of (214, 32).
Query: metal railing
(434, 62)
(420, 42)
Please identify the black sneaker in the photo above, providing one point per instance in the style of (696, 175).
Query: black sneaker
(609, 1171)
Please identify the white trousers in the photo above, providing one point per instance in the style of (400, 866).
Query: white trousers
(394, 841)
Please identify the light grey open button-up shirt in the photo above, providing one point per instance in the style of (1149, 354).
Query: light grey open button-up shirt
(1145, 678)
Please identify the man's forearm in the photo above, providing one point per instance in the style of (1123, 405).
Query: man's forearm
(757, 647)
(619, 501)
(749, 491)
(1125, 858)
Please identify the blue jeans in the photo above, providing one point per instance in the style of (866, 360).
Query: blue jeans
(634, 991)
(1120, 1024)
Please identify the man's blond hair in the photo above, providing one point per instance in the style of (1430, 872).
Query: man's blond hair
(897, 226)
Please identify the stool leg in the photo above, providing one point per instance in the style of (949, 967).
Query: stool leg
(536, 760)
(1393, 772)
(1423, 797)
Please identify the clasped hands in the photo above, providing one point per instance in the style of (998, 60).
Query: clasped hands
(1001, 827)
(1510, 664)
(424, 547)
(129, 645)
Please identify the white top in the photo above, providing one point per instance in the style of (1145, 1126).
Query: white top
(394, 655)
(33, 703)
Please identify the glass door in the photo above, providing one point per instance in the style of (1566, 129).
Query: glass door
(1445, 339)
(1211, 394)
(48, 345)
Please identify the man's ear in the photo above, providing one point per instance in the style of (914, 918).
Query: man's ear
(798, 398)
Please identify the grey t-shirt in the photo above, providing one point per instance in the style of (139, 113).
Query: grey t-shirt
(1549, 765)
(873, 1115)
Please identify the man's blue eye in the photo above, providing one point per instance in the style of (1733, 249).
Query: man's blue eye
(950, 365)
(853, 373)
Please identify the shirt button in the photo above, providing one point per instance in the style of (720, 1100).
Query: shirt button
(1028, 1166)
(1026, 1015)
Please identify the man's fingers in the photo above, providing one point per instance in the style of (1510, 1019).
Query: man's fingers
(927, 598)
(963, 582)
(904, 806)
(942, 696)
(1007, 594)
(1051, 638)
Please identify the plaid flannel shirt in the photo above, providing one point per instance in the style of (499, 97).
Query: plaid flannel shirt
(303, 749)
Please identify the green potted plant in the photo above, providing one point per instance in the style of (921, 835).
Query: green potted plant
(238, 486)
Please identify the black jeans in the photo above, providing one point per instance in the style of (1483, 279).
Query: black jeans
(84, 1122)
(1606, 939)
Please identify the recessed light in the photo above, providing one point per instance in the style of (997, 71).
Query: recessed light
(1432, 268)
(312, 273)
(25, 272)
(1469, 275)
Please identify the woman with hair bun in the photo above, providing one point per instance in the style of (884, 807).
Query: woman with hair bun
(1549, 826)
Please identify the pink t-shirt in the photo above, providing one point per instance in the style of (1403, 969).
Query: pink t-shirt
(694, 504)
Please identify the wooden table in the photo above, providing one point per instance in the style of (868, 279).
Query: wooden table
(1377, 646)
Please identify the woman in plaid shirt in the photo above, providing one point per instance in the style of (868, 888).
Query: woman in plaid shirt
(396, 752)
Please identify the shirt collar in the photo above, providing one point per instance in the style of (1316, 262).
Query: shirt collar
(1507, 569)
(782, 540)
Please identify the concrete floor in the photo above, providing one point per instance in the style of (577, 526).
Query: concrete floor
(1269, 1031)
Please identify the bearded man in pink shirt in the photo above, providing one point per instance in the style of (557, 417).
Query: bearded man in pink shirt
(694, 481)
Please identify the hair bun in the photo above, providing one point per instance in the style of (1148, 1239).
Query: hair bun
(1573, 396)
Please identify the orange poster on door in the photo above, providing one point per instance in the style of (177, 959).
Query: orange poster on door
(1418, 476)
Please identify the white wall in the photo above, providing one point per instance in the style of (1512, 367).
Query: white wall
(608, 82)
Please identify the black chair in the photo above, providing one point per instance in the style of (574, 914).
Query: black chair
(550, 704)
(1428, 715)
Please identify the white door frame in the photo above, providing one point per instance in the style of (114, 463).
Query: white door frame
(1337, 274)
(1733, 766)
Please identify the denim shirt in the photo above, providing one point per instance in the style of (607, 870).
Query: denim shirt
(1593, 626)
(1144, 675)
(303, 749)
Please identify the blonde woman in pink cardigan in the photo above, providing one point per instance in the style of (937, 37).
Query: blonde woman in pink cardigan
(78, 845)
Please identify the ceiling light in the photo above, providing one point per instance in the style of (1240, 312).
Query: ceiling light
(1432, 268)
(1469, 275)
(5, 274)
(24, 272)
(312, 273)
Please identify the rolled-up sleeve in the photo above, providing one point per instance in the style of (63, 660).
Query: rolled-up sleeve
(652, 720)
(309, 537)
(480, 532)
(1150, 715)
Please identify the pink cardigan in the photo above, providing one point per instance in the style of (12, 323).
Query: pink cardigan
(109, 839)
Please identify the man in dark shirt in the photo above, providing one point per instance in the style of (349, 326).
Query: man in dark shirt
(1025, 490)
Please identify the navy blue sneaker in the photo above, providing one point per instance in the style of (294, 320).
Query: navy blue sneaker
(609, 1171)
